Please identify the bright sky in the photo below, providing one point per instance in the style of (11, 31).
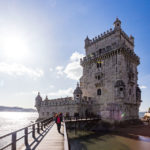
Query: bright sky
(41, 43)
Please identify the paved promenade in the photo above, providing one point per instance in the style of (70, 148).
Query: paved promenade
(53, 140)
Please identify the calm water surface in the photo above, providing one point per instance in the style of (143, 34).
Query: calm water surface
(11, 121)
(86, 140)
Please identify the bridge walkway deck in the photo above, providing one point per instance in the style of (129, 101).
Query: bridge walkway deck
(53, 140)
(48, 140)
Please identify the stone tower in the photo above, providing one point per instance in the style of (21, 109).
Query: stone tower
(77, 93)
(110, 74)
(38, 101)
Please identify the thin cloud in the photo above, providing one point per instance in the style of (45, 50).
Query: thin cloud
(143, 87)
(20, 70)
(59, 70)
(76, 56)
(74, 70)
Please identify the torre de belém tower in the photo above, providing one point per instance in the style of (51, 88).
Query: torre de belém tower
(108, 86)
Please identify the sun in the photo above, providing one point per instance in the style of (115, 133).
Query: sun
(14, 47)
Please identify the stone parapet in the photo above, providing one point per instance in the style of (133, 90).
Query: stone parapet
(121, 49)
(108, 33)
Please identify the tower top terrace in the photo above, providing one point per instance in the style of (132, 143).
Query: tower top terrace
(108, 39)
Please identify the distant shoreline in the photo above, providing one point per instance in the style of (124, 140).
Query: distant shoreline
(16, 109)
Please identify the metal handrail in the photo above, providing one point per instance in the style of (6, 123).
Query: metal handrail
(66, 145)
(75, 118)
(40, 126)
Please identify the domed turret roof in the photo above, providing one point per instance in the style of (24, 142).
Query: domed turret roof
(117, 21)
(87, 38)
(39, 98)
(46, 98)
(77, 90)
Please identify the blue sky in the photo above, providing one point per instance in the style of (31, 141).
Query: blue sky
(41, 43)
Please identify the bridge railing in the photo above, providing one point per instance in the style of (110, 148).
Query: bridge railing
(66, 144)
(38, 126)
(75, 118)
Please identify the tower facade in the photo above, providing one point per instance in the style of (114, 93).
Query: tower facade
(108, 86)
(110, 74)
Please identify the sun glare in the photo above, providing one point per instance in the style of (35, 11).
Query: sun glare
(14, 115)
(14, 47)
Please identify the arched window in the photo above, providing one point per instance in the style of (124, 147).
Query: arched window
(77, 96)
(99, 92)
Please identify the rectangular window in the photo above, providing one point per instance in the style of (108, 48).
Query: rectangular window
(99, 64)
(121, 89)
(99, 92)
(99, 51)
(129, 91)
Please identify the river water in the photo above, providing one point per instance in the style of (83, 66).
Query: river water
(11, 121)
(88, 140)
(82, 140)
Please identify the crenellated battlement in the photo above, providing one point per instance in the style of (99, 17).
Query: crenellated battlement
(64, 101)
(110, 35)
(89, 42)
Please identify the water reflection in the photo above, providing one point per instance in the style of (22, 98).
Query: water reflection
(87, 140)
(10, 121)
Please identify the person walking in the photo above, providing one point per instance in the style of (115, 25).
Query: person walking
(58, 122)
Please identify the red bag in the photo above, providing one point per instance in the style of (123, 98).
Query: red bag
(58, 119)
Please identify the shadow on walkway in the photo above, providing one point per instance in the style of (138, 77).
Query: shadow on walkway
(36, 141)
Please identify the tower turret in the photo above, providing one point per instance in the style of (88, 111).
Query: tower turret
(46, 98)
(87, 41)
(77, 93)
(117, 24)
(38, 101)
(131, 39)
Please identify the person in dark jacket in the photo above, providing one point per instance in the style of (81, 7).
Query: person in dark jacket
(58, 121)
